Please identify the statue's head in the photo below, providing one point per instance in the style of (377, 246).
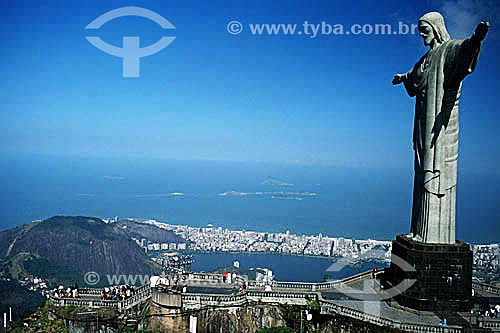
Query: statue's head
(431, 27)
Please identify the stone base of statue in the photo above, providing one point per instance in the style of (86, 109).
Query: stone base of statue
(443, 274)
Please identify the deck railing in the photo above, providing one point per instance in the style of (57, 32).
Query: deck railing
(486, 287)
(281, 291)
(330, 307)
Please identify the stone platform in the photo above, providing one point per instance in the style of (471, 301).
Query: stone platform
(443, 275)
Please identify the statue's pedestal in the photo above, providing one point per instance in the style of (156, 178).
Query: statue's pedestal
(443, 275)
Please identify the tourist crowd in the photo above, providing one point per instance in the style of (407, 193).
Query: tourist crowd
(71, 291)
(492, 312)
(117, 293)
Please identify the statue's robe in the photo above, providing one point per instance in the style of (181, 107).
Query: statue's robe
(436, 80)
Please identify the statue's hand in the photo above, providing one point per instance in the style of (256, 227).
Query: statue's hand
(398, 78)
(481, 31)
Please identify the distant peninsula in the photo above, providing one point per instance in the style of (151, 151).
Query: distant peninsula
(274, 195)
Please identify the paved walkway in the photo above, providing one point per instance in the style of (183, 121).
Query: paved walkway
(349, 295)
(209, 290)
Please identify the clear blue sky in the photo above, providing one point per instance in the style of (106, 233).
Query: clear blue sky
(213, 95)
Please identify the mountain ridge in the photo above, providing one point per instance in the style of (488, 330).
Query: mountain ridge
(76, 243)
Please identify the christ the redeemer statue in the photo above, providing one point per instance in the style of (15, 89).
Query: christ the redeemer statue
(436, 80)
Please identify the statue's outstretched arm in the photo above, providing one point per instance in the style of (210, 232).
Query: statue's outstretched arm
(398, 78)
(480, 32)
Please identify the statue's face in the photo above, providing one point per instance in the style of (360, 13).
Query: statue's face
(426, 32)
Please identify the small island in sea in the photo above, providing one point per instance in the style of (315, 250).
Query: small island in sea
(275, 181)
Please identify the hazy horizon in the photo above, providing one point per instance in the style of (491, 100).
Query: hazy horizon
(349, 202)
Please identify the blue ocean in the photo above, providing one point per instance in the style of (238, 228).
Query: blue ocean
(349, 202)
